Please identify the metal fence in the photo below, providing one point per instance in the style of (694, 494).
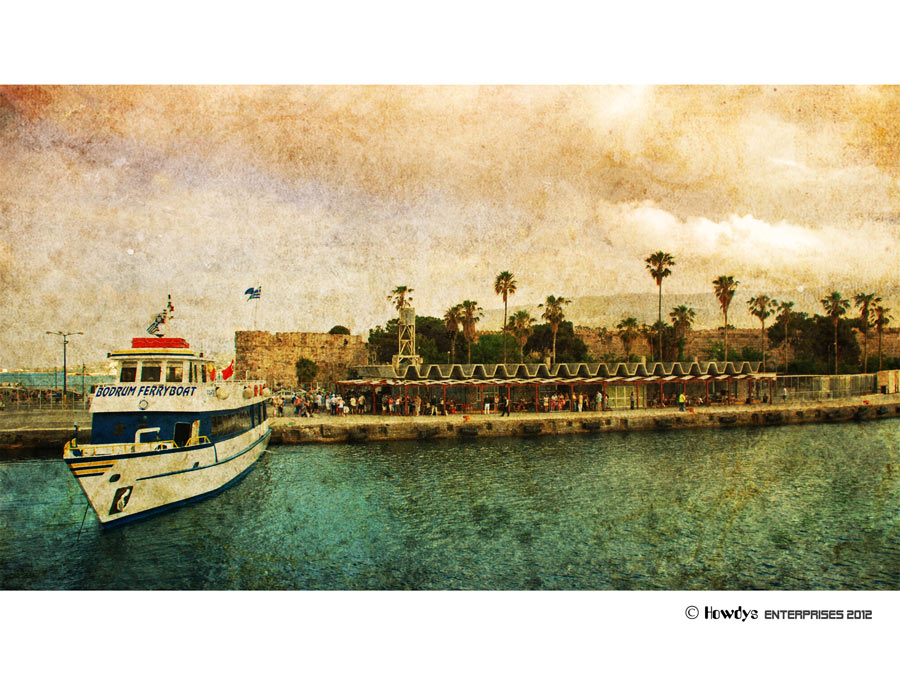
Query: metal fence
(41, 399)
(823, 387)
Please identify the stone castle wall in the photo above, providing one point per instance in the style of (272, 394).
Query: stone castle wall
(699, 343)
(262, 355)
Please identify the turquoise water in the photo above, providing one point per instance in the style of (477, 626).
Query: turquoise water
(51, 380)
(811, 507)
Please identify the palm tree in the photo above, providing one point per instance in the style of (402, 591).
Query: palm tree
(882, 319)
(835, 307)
(682, 318)
(659, 263)
(520, 325)
(628, 331)
(471, 314)
(762, 307)
(724, 287)
(784, 311)
(504, 285)
(452, 320)
(553, 314)
(401, 297)
(865, 302)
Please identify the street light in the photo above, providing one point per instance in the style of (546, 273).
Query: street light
(65, 342)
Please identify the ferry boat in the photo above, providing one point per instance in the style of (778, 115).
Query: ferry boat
(166, 432)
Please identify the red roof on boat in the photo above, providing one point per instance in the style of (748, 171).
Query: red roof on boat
(159, 343)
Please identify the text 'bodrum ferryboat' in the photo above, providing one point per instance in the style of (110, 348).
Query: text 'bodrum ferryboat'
(167, 432)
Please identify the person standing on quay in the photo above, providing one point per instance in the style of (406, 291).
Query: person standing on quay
(632, 400)
(681, 401)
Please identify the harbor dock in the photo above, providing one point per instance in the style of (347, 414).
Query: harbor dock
(43, 434)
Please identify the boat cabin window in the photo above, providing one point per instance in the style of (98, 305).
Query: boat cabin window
(192, 371)
(128, 373)
(151, 371)
(203, 372)
(174, 371)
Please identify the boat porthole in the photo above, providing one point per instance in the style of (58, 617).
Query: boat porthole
(115, 477)
(196, 464)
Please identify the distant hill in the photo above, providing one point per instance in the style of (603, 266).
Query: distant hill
(608, 310)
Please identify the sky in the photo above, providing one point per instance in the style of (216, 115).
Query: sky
(112, 197)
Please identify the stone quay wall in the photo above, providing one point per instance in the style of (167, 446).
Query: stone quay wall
(262, 355)
(361, 428)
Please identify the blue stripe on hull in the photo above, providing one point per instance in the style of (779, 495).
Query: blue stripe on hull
(188, 500)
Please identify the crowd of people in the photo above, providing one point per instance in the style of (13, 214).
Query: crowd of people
(319, 401)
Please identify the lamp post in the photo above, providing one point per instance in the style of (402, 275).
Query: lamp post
(65, 342)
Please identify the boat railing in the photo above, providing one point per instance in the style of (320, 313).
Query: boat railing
(73, 449)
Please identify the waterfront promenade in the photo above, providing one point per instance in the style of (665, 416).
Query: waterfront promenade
(45, 432)
(356, 428)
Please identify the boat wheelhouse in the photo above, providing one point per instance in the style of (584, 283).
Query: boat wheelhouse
(167, 431)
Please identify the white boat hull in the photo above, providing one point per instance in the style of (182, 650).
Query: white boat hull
(137, 480)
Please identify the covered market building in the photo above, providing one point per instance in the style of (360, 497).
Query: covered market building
(531, 387)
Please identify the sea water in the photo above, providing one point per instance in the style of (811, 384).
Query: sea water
(801, 507)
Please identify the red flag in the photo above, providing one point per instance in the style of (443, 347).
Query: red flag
(229, 370)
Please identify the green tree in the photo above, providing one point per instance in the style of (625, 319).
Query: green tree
(784, 314)
(762, 307)
(452, 321)
(835, 307)
(716, 352)
(471, 314)
(724, 287)
(882, 319)
(812, 338)
(628, 332)
(569, 347)
(339, 330)
(554, 315)
(521, 325)
(659, 264)
(682, 319)
(865, 302)
(505, 285)
(306, 371)
(487, 349)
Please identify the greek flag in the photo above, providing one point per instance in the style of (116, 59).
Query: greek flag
(253, 293)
